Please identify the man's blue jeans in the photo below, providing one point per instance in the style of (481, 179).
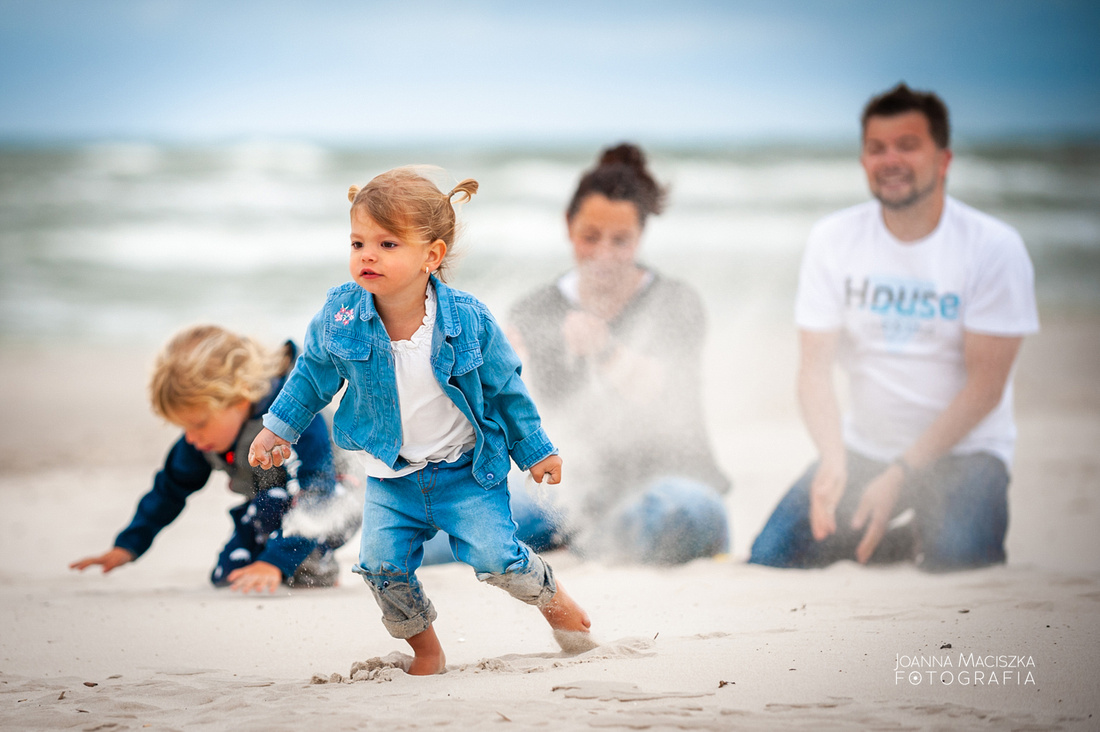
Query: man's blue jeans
(673, 521)
(400, 514)
(960, 505)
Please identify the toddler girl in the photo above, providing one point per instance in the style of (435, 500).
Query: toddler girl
(434, 404)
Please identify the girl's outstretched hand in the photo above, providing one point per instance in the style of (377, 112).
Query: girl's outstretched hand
(116, 557)
(547, 466)
(268, 450)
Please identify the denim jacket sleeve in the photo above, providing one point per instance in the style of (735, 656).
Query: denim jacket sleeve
(312, 384)
(507, 401)
(185, 471)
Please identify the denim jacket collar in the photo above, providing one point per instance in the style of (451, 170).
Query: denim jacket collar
(446, 309)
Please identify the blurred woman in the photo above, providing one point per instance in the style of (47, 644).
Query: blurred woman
(612, 353)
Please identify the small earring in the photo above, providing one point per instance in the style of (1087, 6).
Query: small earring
(427, 271)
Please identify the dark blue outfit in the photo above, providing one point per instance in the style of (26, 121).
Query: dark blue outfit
(309, 476)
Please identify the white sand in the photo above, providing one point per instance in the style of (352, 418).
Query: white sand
(712, 645)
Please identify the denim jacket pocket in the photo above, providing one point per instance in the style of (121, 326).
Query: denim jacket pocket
(347, 347)
(467, 358)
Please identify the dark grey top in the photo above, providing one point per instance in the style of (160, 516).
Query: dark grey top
(628, 439)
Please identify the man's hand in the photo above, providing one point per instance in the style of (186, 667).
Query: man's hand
(826, 490)
(821, 413)
(116, 557)
(875, 509)
(547, 466)
(268, 450)
(256, 577)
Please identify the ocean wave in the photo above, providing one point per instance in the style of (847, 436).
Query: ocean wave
(129, 238)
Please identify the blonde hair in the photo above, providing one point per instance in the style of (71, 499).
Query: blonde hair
(206, 366)
(406, 202)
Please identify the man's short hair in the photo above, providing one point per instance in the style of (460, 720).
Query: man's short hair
(902, 99)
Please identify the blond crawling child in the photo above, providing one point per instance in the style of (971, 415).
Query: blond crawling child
(215, 385)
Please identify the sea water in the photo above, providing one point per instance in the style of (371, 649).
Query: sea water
(127, 242)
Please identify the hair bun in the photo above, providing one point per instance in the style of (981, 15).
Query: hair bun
(352, 193)
(624, 154)
(621, 175)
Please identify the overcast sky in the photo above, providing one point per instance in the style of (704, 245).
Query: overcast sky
(372, 73)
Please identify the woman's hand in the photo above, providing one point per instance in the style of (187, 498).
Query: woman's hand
(109, 560)
(268, 450)
(547, 466)
(255, 577)
(584, 334)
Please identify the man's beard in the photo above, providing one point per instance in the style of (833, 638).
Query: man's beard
(915, 196)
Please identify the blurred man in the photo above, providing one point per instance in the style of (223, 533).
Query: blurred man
(923, 301)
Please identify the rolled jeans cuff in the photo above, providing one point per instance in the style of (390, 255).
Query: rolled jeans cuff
(530, 580)
(405, 610)
(409, 627)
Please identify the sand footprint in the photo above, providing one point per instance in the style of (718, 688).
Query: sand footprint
(396, 664)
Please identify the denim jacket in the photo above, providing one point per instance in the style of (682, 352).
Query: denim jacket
(473, 363)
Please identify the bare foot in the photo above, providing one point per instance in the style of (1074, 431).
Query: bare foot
(563, 613)
(428, 658)
(569, 621)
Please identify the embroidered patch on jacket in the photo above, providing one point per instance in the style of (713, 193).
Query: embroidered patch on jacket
(344, 316)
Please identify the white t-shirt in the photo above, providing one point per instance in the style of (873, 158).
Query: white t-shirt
(902, 309)
(433, 429)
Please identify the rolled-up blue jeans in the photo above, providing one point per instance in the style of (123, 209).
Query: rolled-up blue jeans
(400, 514)
(960, 505)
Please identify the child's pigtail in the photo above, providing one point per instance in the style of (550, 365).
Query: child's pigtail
(466, 188)
(352, 193)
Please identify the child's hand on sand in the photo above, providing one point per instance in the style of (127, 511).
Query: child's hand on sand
(256, 577)
(268, 450)
(116, 557)
(549, 466)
